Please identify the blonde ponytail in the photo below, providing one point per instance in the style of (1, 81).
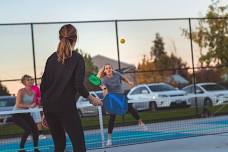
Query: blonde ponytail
(68, 38)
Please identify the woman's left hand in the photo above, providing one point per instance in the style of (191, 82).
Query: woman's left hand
(104, 90)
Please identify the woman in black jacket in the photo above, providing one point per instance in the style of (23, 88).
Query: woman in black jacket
(62, 79)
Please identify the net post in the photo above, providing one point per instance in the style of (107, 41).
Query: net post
(101, 126)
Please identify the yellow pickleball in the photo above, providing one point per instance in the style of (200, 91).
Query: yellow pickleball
(122, 41)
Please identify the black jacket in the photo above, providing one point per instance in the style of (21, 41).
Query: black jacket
(61, 82)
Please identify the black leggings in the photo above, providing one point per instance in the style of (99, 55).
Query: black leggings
(26, 122)
(112, 117)
(66, 121)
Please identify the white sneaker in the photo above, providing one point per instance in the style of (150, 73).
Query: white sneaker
(143, 126)
(42, 137)
(109, 142)
(29, 137)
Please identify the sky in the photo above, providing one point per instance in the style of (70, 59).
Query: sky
(12, 11)
(94, 38)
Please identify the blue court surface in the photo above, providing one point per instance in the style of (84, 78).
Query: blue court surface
(209, 143)
(132, 135)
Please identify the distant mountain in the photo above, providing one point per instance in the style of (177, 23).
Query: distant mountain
(100, 60)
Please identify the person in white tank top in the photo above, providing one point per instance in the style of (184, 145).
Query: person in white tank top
(24, 100)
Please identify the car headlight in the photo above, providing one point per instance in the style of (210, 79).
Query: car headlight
(220, 95)
(153, 97)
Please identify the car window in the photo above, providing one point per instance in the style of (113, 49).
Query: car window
(93, 94)
(188, 89)
(139, 90)
(136, 91)
(83, 99)
(198, 90)
(144, 89)
(11, 102)
(161, 87)
(3, 102)
(7, 102)
(213, 87)
(100, 95)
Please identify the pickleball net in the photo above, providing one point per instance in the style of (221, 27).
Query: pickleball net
(160, 125)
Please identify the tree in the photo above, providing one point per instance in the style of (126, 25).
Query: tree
(3, 90)
(151, 63)
(89, 68)
(158, 49)
(147, 77)
(160, 57)
(163, 61)
(160, 63)
(211, 35)
(208, 75)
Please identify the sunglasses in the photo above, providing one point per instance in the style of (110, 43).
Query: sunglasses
(30, 79)
(107, 68)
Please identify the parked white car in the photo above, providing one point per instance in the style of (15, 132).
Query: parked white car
(85, 108)
(6, 104)
(157, 95)
(207, 94)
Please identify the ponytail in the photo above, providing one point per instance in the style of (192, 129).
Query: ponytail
(68, 38)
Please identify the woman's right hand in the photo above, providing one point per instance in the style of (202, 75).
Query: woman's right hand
(33, 105)
(95, 101)
(100, 73)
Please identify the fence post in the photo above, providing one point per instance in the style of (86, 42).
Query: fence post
(33, 53)
(117, 44)
(193, 65)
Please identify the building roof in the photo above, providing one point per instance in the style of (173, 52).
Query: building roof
(178, 79)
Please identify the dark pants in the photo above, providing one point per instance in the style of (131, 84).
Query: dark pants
(66, 121)
(112, 117)
(26, 122)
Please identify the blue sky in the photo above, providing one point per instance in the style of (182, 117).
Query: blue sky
(59, 10)
(94, 38)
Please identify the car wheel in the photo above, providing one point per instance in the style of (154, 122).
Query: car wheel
(208, 102)
(153, 106)
(104, 112)
(80, 113)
